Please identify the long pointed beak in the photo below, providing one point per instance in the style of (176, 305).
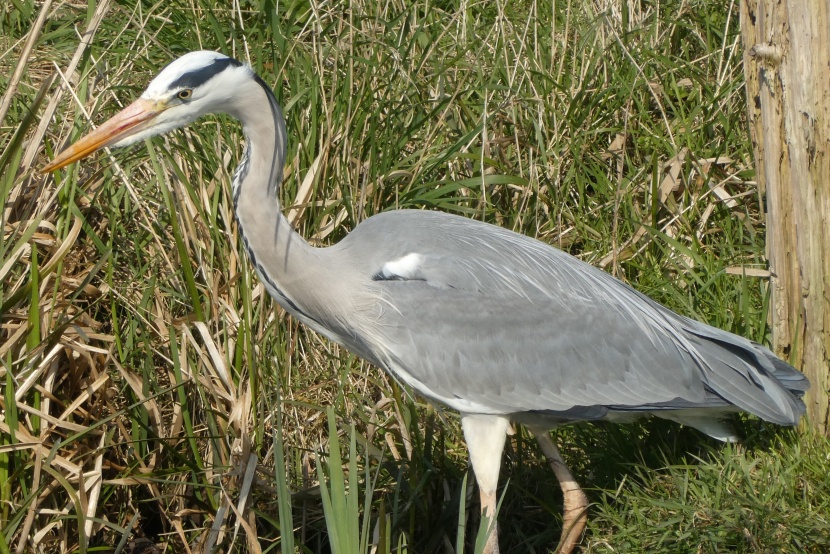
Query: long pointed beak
(125, 123)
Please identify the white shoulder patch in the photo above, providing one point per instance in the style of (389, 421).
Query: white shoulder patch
(405, 267)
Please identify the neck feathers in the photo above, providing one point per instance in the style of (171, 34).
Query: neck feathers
(262, 163)
(303, 280)
(283, 260)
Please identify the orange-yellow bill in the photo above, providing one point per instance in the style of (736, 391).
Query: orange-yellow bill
(122, 125)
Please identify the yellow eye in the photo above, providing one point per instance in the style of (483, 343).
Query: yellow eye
(184, 94)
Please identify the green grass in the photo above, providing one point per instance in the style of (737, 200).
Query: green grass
(152, 390)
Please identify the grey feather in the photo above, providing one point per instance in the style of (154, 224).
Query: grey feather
(499, 322)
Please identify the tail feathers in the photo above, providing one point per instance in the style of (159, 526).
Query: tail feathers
(792, 379)
(750, 376)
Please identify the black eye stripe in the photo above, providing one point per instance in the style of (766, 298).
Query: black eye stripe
(198, 77)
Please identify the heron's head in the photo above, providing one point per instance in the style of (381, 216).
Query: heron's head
(189, 87)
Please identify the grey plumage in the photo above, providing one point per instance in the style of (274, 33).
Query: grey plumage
(495, 322)
(496, 325)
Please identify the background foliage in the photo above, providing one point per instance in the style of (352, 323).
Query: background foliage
(154, 397)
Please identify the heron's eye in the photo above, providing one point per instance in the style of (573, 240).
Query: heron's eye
(184, 94)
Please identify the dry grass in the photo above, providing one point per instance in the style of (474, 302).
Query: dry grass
(145, 371)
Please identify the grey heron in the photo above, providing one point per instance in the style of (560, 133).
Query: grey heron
(494, 324)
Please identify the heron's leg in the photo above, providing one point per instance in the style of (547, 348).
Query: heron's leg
(485, 436)
(576, 503)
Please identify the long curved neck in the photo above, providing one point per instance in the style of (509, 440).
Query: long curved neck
(285, 262)
(317, 286)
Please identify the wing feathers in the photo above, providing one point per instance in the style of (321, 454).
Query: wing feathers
(506, 324)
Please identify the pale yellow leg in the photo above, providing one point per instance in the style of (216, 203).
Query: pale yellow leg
(576, 503)
(485, 436)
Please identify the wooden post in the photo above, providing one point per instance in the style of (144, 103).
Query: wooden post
(787, 68)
